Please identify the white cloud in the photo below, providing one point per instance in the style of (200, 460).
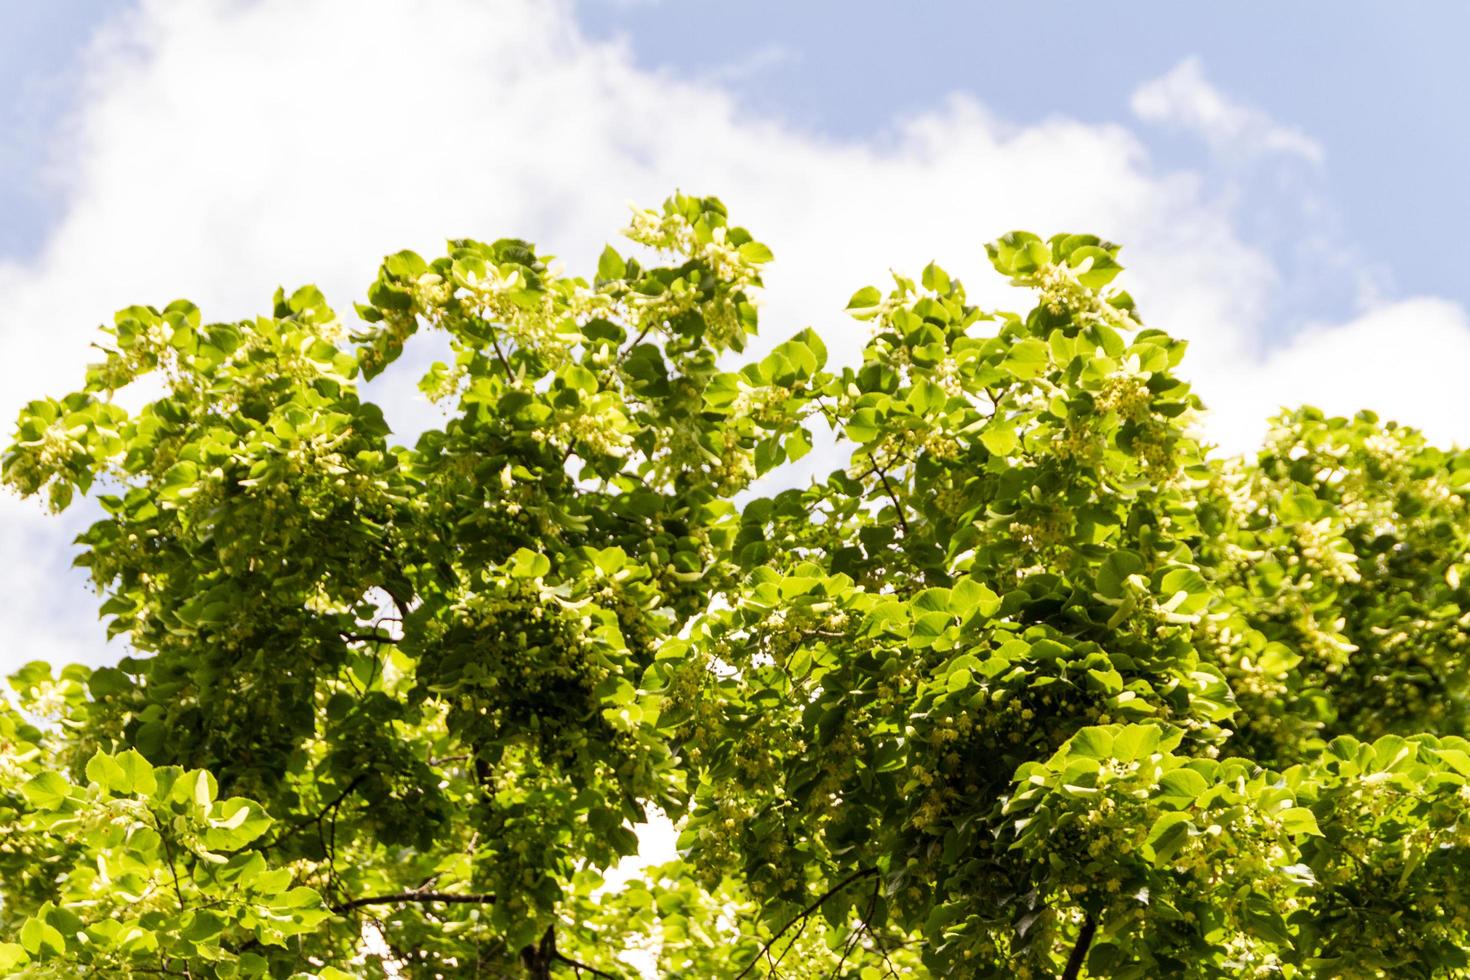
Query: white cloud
(1405, 360)
(48, 605)
(1183, 97)
(227, 147)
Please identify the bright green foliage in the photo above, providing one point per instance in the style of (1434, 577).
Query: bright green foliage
(1032, 686)
(130, 865)
(1343, 551)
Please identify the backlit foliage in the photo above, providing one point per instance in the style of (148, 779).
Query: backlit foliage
(1032, 685)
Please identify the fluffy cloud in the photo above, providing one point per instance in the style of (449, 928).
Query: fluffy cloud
(49, 611)
(1184, 98)
(228, 147)
(1405, 360)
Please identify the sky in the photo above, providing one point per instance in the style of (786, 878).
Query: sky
(1287, 179)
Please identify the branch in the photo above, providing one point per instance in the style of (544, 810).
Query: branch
(1079, 951)
(775, 963)
(448, 898)
(559, 957)
(399, 603)
(169, 852)
(357, 781)
(365, 637)
(897, 507)
(504, 364)
(865, 924)
(802, 916)
(623, 354)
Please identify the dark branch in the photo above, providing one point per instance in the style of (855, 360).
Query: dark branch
(623, 354)
(169, 853)
(802, 916)
(329, 808)
(400, 898)
(888, 489)
(366, 637)
(560, 957)
(499, 355)
(776, 963)
(1079, 951)
(865, 924)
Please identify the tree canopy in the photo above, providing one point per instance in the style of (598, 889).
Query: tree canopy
(1032, 685)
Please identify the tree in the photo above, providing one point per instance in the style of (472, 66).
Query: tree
(1032, 686)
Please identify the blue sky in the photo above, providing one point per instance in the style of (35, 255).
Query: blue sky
(42, 52)
(1380, 87)
(1288, 179)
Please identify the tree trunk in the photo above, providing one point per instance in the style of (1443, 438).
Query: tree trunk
(538, 958)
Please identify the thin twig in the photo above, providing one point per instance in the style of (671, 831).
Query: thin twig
(848, 947)
(801, 930)
(560, 957)
(623, 354)
(169, 853)
(877, 939)
(864, 925)
(317, 820)
(855, 876)
(897, 507)
(499, 355)
(448, 898)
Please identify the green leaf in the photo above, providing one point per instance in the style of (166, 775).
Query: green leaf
(863, 426)
(970, 597)
(233, 823)
(1299, 820)
(198, 787)
(1092, 743)
(797, 445)
(1183, 783)
(610, 264)
(405, 265)
(755, 253)
(46, 791)
(1134, 742)
(935, 278)
(529, 564)
(12, 955)
(1115, 570)
(1168, 834)
(1017, 253)
(1027, 359)
(999, 438)
(865, 298)
(202, 927)
(37, 936)
(105, 772)
(1098, 266)
(300, 898)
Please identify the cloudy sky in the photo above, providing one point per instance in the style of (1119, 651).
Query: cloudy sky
(1290, 187)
